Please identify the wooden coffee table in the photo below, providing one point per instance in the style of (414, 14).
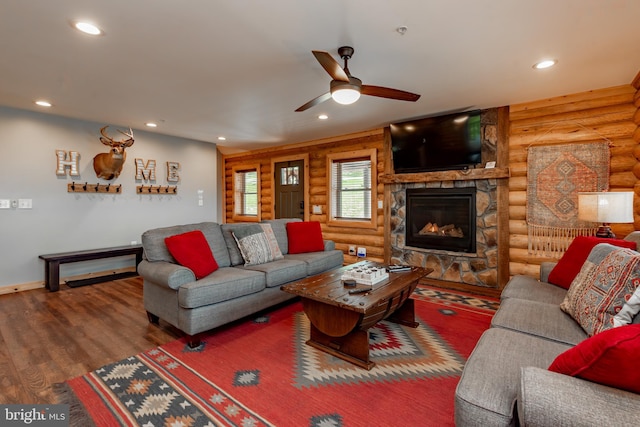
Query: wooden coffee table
(340, 321)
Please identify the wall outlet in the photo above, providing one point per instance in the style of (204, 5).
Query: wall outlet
(380, 204)
(317, 209)
(134, 242)
(362, 252)
(352, 249)
(25, 203)
(5, 203)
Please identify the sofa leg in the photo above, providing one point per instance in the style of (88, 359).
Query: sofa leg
(153, 318)
(193, 340)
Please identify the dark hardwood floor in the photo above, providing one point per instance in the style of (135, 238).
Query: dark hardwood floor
(48, 337)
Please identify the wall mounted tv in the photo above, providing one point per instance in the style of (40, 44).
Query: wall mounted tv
(448, 142)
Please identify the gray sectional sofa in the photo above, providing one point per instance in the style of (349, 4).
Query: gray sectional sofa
(172, 293)
(506, 382)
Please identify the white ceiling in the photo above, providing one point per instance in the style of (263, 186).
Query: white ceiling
(205, 68)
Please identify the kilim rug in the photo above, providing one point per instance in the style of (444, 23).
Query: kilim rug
(555, 175)
(260, 372)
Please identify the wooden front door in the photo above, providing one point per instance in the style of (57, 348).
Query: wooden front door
(289, 191)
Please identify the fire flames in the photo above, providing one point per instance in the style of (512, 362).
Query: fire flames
(449, 230)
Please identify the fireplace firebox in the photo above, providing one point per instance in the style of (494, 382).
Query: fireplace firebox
(441, 219)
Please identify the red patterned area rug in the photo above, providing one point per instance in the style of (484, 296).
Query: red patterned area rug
(259, 372)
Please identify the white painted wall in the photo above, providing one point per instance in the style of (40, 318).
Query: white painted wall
(60, 221)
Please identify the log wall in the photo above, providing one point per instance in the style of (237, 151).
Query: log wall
(317, 151)
(606, 114)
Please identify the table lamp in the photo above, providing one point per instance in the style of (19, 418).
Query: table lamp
(605, 208)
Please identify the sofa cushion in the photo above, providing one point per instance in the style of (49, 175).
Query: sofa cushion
(281, 271)
(486, 392)
(317, 262)
(609, 358)
(222, 285)
(279, 229)
(576, 254)
(155, 248)
(235, 256)
(597, 298)
(304, 237)
(526, 287)
(257, 244)
(546, 321)
(191, 250)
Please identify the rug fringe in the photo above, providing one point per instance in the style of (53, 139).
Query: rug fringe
(78, 415)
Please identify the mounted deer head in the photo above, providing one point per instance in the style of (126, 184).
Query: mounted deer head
(109, 165)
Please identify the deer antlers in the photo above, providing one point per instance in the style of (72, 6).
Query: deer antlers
(107, 140)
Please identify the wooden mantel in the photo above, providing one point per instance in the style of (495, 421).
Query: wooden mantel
(454, 175)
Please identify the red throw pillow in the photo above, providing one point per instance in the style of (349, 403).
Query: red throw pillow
(191, 250)
(304, 237)
(576, 254)
(609, 358)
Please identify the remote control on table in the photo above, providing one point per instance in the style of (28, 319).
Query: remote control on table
(399, 268)
(359, 291)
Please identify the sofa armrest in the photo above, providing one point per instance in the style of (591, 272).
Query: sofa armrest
(547, 398)
(545, 269)
(165, 273)
(329, 245)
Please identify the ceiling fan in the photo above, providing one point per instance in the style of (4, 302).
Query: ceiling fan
(346, 89)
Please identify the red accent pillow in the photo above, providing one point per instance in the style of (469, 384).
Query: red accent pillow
(304, 237)
(576, 254)
(191, 250)
(609, 358)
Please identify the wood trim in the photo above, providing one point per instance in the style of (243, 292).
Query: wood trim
(341, 138)
(305, 158)
(457, 175)
(370, 153)
(502, 195)
(243, 168)
(388, 169)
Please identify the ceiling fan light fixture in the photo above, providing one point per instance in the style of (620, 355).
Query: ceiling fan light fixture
(345, 95)
(346, 92)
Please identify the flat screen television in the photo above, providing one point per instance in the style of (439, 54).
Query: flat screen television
(448, 142)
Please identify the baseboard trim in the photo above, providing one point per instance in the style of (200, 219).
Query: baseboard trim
(11, 289)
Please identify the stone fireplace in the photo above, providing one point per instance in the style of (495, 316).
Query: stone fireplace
(470, 209)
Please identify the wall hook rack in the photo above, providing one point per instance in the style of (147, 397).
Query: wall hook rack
(157, 189)
(85, 187)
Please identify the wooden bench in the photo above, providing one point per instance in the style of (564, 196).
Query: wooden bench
(52, 265)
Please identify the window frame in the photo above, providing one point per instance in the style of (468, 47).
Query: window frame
(345, 157)
(238, 213)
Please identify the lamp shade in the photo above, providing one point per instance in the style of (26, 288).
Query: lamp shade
(606, 207)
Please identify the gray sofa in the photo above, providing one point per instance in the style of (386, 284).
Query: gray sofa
(506, 382)
(172, 293)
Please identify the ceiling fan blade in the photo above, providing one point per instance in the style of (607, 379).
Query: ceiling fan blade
(385, 92)
(315, 101)
(330, 65)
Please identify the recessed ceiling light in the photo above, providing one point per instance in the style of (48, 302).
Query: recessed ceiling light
(151, 125)
(87, 28)
(43, 103)
(545, 64)
(222, 138)
(323, 117)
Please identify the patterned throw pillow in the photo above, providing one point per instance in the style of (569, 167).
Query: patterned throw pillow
(599, 296)
(257, 244)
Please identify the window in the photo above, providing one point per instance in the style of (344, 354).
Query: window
(352, 186)
(246, 187)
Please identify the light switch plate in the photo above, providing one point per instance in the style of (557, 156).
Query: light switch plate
(5, 203)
